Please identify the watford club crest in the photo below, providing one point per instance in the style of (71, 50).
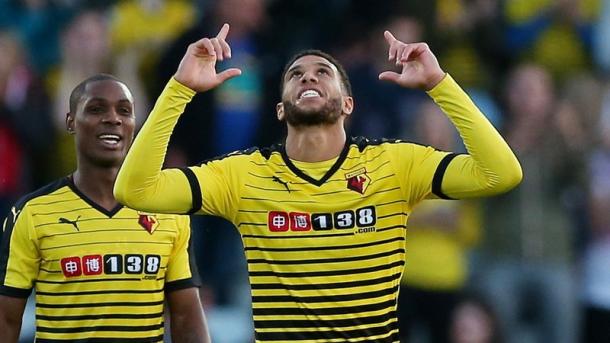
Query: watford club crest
(358, 180)
(148, 221)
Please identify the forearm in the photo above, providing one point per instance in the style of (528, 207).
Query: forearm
(490, 166)
(11, 312)
(141, 183)
(188, 323)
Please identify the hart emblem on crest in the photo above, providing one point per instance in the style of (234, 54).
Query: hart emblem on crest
(358, 180)
(148, 221)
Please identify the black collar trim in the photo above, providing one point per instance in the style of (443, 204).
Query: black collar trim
(92, 203)
(326, 176)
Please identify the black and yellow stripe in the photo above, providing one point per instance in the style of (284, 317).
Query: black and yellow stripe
(122, 301)
(331, 285)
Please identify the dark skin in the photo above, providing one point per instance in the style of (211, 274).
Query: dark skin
(103, 126)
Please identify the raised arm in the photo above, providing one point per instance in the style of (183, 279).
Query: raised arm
(490, 167)
(141, 183)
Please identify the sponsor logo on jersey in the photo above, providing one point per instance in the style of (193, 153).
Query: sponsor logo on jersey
(362, 220)
(111, 264)
(358, 180)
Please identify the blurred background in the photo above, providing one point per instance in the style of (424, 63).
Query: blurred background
(529, 266)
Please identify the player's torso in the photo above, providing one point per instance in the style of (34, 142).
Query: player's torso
(102, 269)
(323, 252)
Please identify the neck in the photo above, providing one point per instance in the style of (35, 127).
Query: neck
(315, 143)
(97, 183)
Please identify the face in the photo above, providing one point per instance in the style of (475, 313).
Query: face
(471, 325)
(103, 124)
(313, 94)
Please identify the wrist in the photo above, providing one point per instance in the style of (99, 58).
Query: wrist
(435, 79)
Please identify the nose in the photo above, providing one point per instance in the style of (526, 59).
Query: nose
(112, 118)
(309, 76)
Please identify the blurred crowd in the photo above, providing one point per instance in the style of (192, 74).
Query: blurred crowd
(528, 266)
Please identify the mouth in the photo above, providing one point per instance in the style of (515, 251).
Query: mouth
(309, 94)
(110, 139)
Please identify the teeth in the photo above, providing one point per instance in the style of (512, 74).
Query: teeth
(110, 138)
(310, 94)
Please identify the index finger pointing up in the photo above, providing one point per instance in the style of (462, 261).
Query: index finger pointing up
(224, 30)
(389, 37)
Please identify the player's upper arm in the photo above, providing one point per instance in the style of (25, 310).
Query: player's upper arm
(419, 169)
(465, 178)
(19, 254)
(217, 186)
(181, 267)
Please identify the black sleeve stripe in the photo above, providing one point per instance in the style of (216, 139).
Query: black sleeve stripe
(180, 284)
(195, 190)
(437, 180)
(15, 292)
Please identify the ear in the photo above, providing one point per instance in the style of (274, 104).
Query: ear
(279, 110)
(347, 105)
(70, 123)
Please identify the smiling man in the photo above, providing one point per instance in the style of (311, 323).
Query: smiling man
(101, 271)
(322, 216)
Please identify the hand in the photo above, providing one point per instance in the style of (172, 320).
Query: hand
(197, 70)
(420, 69)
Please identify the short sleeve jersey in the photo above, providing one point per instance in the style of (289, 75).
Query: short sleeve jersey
(98, 275)
(325, 256)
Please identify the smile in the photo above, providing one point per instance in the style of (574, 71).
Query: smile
(110, 139)
(310, 93)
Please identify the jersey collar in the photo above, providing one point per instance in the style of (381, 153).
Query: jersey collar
(92, 203)
(298, 172)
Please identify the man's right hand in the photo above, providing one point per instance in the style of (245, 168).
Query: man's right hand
(197, 70)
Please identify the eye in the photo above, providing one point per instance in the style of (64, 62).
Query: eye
(323, 71)
(296, 73)
(125, 111)
(95, 109)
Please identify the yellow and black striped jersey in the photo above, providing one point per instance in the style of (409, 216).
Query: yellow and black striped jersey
(99, 276)
(325, 256)
(325, 250)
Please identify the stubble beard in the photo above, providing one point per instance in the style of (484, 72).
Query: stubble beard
(327, 115)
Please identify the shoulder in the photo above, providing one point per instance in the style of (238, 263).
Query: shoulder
(39, 196)
(42, 194)
(363, 143)
(253, 153)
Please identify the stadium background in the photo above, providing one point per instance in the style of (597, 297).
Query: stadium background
(537, 68)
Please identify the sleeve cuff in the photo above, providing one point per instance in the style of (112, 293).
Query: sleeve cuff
(181, 284)
(446, 84)
(180, 89)
(15, 292)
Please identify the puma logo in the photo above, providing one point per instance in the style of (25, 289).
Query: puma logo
(15, 213)
(278, 180)
(63, 220)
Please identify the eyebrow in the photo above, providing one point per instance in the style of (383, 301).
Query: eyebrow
(104, 99)
(322, 64)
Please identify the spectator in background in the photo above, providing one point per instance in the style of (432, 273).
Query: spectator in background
(595, 293)
(529, 241)
(38, 24)
(139, 31)
(474, 321)
(469, 35)
(84, 51)
(439, 236)
(25, 123)
(389, 109)
(555, 34)
(222, 120)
